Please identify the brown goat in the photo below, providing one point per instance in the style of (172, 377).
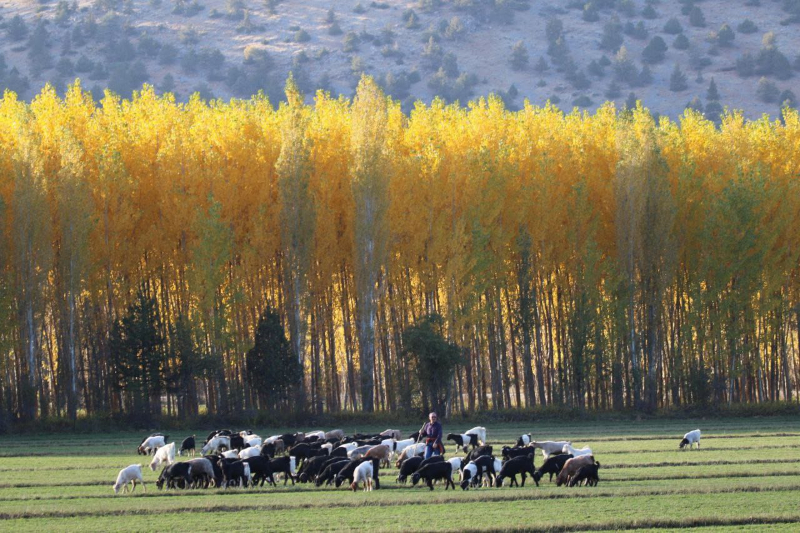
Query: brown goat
(571, 468)
(381, 451)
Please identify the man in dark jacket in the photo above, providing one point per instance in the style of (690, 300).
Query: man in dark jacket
(432, 433)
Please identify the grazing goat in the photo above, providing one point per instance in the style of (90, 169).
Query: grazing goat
(252, 451)
(455, 464)
(236, 443)
(165, 454)
(234, 472)
(216, 444)
(587, 473)
(347, 472)
(571, 468)
(176, 475)
(399, 445)
(381, 452)
(130, 474)
(260, 470)
(480, 431)
(408, 467)
(474, 471)
(523, 440)
(360, 451)
(576, 453)
(690, 438)
(330, 471)
(552, 466)
(391, 434)
(285, 465)
(480, 451)
(152, 443)
(202, 472)
(518, 465)
(550, 447)
(318, 434)
(337, 434)
(365, 472)
(311, 468)
(230, 454)
(464, 441)
(187, 446)
(411, 451)
(434, 472)
(510, 453)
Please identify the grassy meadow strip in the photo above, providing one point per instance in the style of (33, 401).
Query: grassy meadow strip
(746, 472)
(596, 513)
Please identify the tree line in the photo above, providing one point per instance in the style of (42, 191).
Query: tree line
(177, 259)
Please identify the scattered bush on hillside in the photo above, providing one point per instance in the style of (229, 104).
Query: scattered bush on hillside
(767, 91)
(612, 38)
(673, 26)
(681, 42)
(725, 36)
(677, 80)
(712, 95)
(654, 51)
(519, 56)
(747, 26)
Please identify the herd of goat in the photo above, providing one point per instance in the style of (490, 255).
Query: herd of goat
(244, 459)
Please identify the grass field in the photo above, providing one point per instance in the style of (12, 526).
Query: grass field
(746, 476)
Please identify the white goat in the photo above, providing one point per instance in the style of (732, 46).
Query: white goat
(319, 434)
(252, 451)
(576, 453)
(165, 454)
(550, 447)
(455, 464)
(363, 473)
(216, 443)
(253, 440)
(152, 443)
(691, 438)
(480, 431)
(129, 474)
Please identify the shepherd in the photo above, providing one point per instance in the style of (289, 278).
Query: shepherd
(432, 433)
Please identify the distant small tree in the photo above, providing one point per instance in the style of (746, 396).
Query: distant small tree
(654, 51)
(695, 104)
(677, 80)
(631, 101)
(541, 65)
(645, 77)
(590, 13)
(673, 26)
(725, 36)
(747, 26)
(519, 56)
(16, 28)
(612, 38)
(712, 95)
(649, 12)
(681, 42)
(696, 18)
(713, 112)
(767, 91)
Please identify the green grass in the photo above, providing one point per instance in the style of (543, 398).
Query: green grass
(746, 476)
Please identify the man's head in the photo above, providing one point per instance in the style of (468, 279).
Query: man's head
(433, 417)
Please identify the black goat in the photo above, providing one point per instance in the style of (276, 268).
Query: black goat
(553, 465)
(176, 475)
(408, 467)
(260, 470)
(518, 465)
(434, 472)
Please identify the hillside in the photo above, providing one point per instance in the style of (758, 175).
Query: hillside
(574, 53)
